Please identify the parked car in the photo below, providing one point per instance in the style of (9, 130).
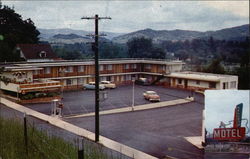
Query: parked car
(151, 96)
(142, 81)
(108, 84)
(91, 85)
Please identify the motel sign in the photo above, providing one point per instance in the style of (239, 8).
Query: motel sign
(229, 133)
(236, 132)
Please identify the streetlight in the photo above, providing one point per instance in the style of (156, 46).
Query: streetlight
(133, 93)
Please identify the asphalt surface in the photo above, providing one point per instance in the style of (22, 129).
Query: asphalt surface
(81, 102)
(159, 132)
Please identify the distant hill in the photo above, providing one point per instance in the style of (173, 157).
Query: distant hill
(70, 36)
(67, 36)
(235, 33)
(46, 34)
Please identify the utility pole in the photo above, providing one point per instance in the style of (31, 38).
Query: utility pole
(95, 47)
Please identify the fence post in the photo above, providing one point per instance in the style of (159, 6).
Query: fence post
(25, 133)
(80, 149)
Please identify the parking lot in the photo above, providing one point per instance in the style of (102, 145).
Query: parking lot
(159, 132)
(80, 102)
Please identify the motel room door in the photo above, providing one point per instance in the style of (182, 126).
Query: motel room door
(185, 83)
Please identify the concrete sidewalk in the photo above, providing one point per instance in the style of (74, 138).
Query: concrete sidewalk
(137, 108)
(111, 144)
(196, 141)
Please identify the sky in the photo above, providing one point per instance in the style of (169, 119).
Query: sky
(129, 16)
(220, 105)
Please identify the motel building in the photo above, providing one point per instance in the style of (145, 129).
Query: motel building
(50, 78)
(42, 76)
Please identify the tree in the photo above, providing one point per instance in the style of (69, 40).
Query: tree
(139, 47)
(244, 71)
(215, 67)
(14, 30)
(143, 48)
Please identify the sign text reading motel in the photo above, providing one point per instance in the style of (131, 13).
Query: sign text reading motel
(229, 133)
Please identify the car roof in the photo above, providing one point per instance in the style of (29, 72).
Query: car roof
(105, 81)
(150, 92)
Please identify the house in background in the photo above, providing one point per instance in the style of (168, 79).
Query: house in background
(36, 52)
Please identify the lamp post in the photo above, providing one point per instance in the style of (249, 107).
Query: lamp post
(133, 94)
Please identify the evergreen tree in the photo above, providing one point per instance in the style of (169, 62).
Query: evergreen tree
(14, 30)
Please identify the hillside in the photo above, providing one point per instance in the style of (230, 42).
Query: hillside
(235, 33)
(46, 34)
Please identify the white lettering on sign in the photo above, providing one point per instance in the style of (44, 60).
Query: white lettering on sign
(216, 134)
(226, 133)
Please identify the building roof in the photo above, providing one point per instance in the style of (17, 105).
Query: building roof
(101, 61)
(36, 51)
(200, 76)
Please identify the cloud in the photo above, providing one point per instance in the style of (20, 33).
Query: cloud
(128, 16)
(240, 8)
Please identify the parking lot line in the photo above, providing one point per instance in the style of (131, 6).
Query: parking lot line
(137, 108)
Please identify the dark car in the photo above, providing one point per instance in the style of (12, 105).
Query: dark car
(142, 81)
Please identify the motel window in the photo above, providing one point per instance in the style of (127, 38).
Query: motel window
(161, 67)
(69, 82)
(148, 66)
(70, 69)
(101, 68)
(233, 84)
(80, 80)
(212, 85)
(36, 72)
(110, 67)
(198, 82)
(225, 85)
(108, 78)
(47, 70)
(80, 68)
(127, 66)
(133, 66)
(179, 81)
(127, 77)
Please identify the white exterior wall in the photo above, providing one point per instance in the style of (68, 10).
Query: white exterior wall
(229, 80)
(9, 87)
(203, 84)
(28, 76)
(174, 68)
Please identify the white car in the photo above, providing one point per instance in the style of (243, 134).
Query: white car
(108, 84)
(91, 85)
